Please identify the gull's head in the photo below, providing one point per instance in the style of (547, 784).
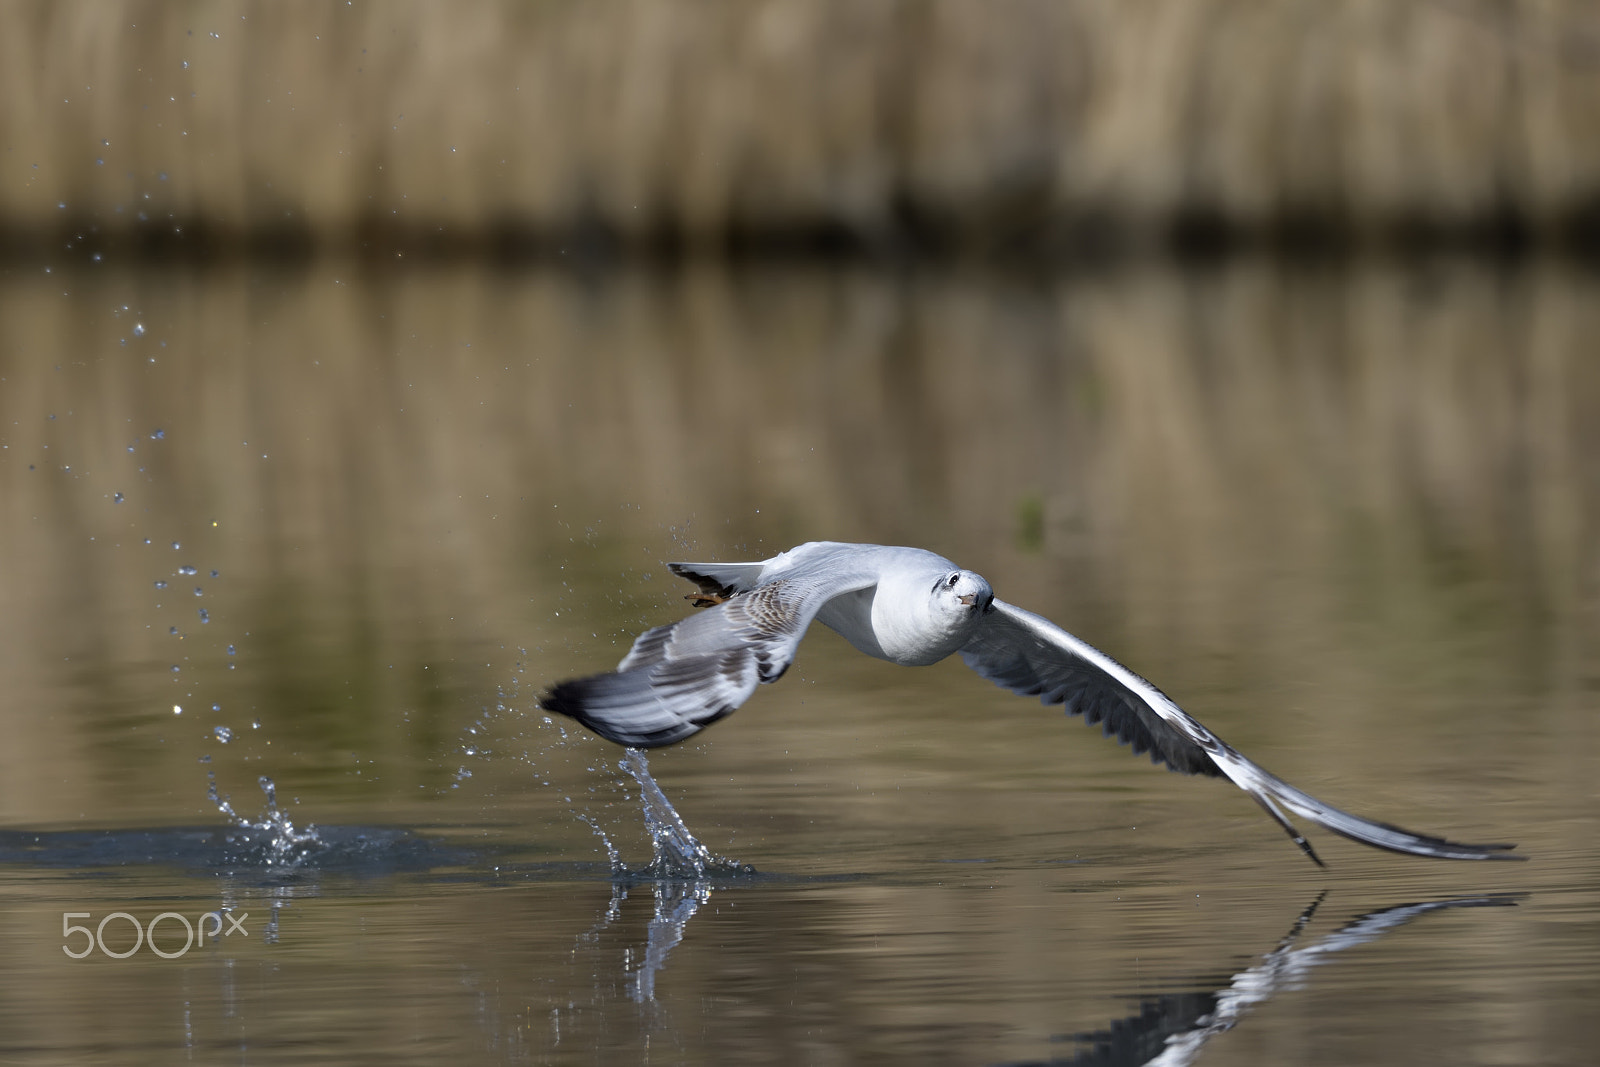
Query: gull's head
(962, 593)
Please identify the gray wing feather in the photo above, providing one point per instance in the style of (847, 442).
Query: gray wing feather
(1029, 654)
(680, 678)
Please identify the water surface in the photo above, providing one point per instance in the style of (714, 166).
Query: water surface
(336, 529)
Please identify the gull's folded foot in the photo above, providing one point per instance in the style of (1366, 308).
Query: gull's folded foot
(706, 600)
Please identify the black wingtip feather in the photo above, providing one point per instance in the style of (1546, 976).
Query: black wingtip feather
(1459, 850)
(706, 583)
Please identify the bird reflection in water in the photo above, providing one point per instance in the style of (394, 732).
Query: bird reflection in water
(681, 873)
(1170, 1030)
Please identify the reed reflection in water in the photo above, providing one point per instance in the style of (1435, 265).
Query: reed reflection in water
(1249, 477)
(1347, 519)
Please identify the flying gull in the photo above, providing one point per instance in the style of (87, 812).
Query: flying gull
(913, 607)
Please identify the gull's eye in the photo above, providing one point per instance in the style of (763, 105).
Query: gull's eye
(952, 580)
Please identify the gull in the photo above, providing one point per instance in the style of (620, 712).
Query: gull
(914, 607)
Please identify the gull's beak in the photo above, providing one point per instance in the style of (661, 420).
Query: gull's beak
(969, 599)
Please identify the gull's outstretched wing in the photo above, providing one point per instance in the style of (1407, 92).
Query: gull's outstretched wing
(680, 678)
(721, 579)
(1031, 655)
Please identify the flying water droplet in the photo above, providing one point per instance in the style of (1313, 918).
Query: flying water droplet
(223, 734)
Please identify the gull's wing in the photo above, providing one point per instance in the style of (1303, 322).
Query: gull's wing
(1031, 655)
(721, 579)
(680, 678)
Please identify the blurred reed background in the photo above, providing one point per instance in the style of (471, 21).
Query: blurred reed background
(883, 125)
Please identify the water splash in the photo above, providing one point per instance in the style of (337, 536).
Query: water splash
(272, 840)
(677, 853)
(612, 855)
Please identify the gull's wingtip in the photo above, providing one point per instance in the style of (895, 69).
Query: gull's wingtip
(1404, 842)
(1502, 852)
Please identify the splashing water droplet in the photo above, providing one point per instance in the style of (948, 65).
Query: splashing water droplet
(138, 329)
(677, 853)
(116, 498)
(283, 845)
(161, 585)
(223, 734)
